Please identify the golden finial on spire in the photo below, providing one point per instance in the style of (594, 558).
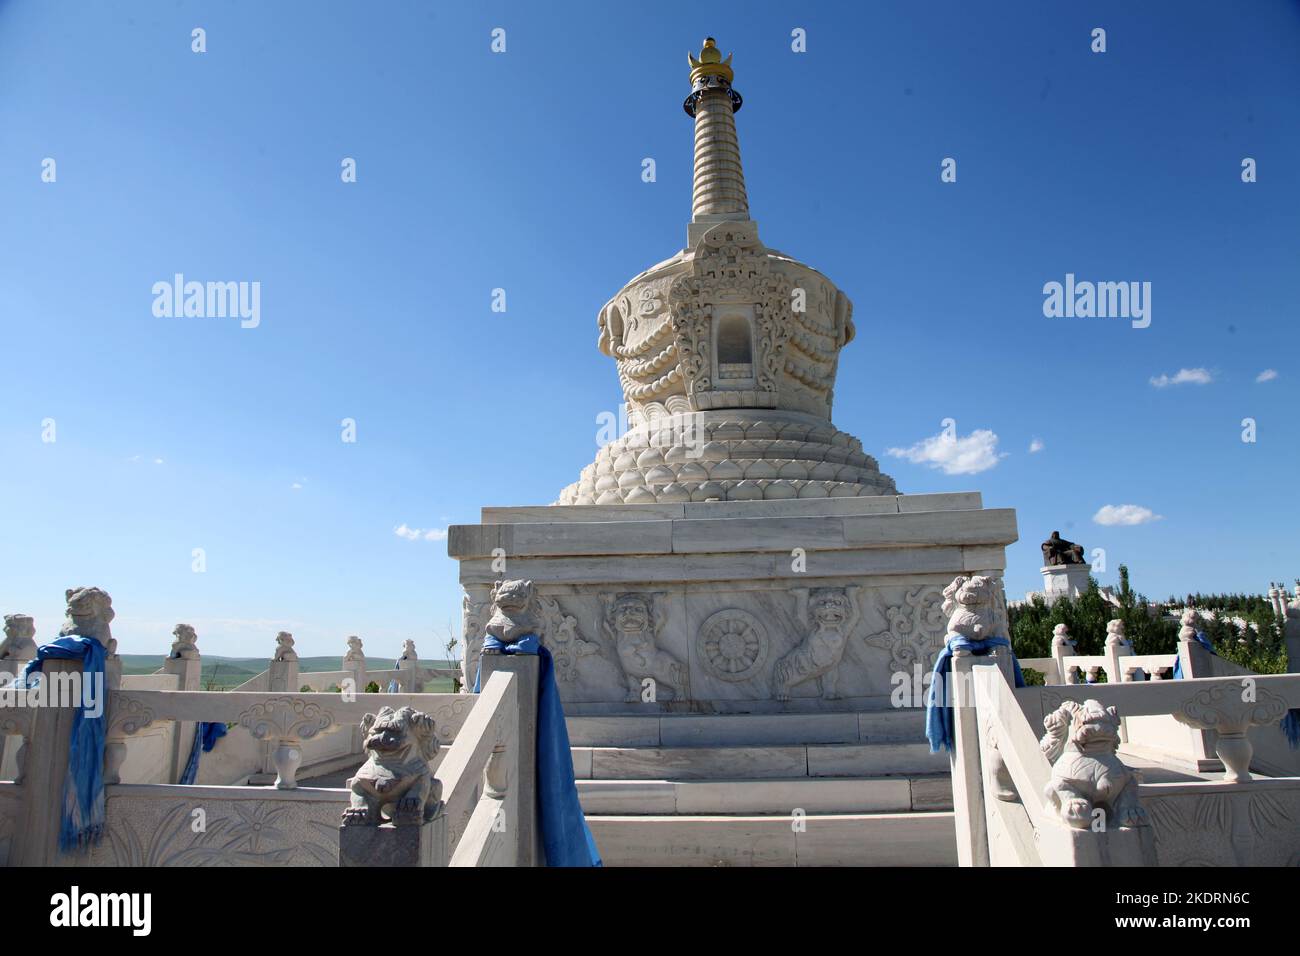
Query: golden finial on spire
(710, 63)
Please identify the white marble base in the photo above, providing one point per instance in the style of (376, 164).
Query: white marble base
(1065, 580)
(737, 571)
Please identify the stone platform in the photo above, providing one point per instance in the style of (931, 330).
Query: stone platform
(731, 606)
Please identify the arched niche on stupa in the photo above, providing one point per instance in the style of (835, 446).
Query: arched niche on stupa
(733, 348)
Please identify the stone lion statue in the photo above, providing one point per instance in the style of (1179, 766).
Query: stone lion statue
(971, 606)
(1087, 775)
(395, 784)
(633, 627)
(90, 610)
(831, 615)
(512, 616)
(355, 653)
(19, 643)
(284, 647)
(184, 643)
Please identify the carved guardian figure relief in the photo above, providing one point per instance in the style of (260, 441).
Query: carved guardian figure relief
(631, 624)
(831, 614)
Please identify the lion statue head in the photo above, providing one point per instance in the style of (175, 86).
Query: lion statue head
(399, 736)
(184, 642)
(19, 631)
(89, 612)
(512, 617)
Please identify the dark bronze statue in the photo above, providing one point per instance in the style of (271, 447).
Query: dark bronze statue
(1058, 551)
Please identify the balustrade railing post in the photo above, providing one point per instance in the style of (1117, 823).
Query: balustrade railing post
(46, 769)
(968, 796)
(184, 661)
(522, 751)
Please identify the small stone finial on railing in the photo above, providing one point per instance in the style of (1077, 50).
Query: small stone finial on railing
(1090, 787)
(408, 651)
(19, 645)
(184, 643)
(1115, 636)
(395, 784)
(284, 648)
(355, 653)
(1191, 623)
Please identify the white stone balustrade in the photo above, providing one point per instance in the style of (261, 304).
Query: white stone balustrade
(996, 729)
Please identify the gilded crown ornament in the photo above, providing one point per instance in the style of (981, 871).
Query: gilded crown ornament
(710, 71)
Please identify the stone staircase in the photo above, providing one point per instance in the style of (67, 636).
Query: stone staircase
(850, 789)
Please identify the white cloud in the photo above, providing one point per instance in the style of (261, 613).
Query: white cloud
(1036, 446)
(977, 452)
(418, 534)
(1184, 376)
(1125, 515)
(296, 486)
(1267, 375)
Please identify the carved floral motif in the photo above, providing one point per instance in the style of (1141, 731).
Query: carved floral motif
(915, 629)
(286, 718)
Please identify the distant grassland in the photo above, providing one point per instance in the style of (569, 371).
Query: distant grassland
(223, 673)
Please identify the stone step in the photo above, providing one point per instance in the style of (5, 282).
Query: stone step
(778, 797)
(678, 730)
(756, 763)
(863, 839)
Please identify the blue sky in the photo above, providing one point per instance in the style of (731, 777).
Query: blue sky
(522, 171)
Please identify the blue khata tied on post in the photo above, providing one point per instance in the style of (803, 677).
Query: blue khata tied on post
(206, 736)
(938, 704)
(83, 818)
(566, 838)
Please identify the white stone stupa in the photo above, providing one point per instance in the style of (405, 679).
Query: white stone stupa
(733, 551)
(726, 352)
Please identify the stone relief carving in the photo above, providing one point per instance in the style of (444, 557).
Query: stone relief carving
(632, 624)
(830, 615)
(395, 784)
(127, 715)
(1231, 708)
(1087, 775)
(473, 619)
(732, 645)
(290, 718)
(250, 833)
(915, 629)
(184, 643)
(730, 265)
(559, 632)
